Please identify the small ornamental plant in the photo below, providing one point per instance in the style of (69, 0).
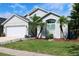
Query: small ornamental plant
(50, 36)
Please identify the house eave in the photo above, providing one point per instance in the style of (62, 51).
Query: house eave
(12, 17)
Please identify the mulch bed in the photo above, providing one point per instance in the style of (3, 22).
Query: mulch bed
(68, 40)
(60, 40)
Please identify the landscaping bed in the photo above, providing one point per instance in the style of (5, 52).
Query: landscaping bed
(67, 40)
(48, 47)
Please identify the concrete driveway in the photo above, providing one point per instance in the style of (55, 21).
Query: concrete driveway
(4, 40)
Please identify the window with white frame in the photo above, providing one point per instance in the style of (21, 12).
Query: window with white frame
(50, 25)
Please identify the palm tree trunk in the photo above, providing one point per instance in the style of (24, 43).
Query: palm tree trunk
(40, 31)
(62, 31)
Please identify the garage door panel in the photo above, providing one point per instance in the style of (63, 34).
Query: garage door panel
(18, 32)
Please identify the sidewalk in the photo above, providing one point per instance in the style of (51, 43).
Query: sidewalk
(20, 53)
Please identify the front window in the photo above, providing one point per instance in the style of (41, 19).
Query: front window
(50, 25)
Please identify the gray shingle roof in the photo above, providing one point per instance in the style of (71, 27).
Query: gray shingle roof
(2, 20)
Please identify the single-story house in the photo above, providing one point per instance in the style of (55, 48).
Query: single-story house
(18, 26)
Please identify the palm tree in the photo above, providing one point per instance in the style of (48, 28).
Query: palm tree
(33, 23)
(62, 20)
(41, 24)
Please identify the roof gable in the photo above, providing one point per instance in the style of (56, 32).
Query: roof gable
(35, 10)
(20, 17)
(50, 14)
(42, 15)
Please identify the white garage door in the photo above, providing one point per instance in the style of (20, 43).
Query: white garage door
(18, 32)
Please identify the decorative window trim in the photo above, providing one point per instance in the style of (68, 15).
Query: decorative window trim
(51, 21)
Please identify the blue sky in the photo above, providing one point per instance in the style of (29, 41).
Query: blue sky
(7, 9)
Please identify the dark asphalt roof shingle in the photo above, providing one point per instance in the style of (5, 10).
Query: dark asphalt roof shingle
(2, 20)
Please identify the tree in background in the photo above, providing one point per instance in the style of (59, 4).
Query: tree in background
(75, 18)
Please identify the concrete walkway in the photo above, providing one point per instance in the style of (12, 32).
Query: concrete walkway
(20, 53)
(5, 40)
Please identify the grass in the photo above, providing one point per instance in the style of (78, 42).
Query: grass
(3, 54)
(43, 46)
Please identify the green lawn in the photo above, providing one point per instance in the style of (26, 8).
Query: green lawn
(3, 54)
(44, 46)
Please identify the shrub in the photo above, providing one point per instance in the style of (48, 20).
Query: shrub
(50, 36)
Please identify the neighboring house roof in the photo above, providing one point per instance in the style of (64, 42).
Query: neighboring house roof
(2, 20)
(35, 11)
(50, 14)
(21, 17)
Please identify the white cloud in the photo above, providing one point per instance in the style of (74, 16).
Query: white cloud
(6, 14)
(68, 10)
(70, 7)
(57, 8)
(52, 6)
(19, 9)
(17, 5)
